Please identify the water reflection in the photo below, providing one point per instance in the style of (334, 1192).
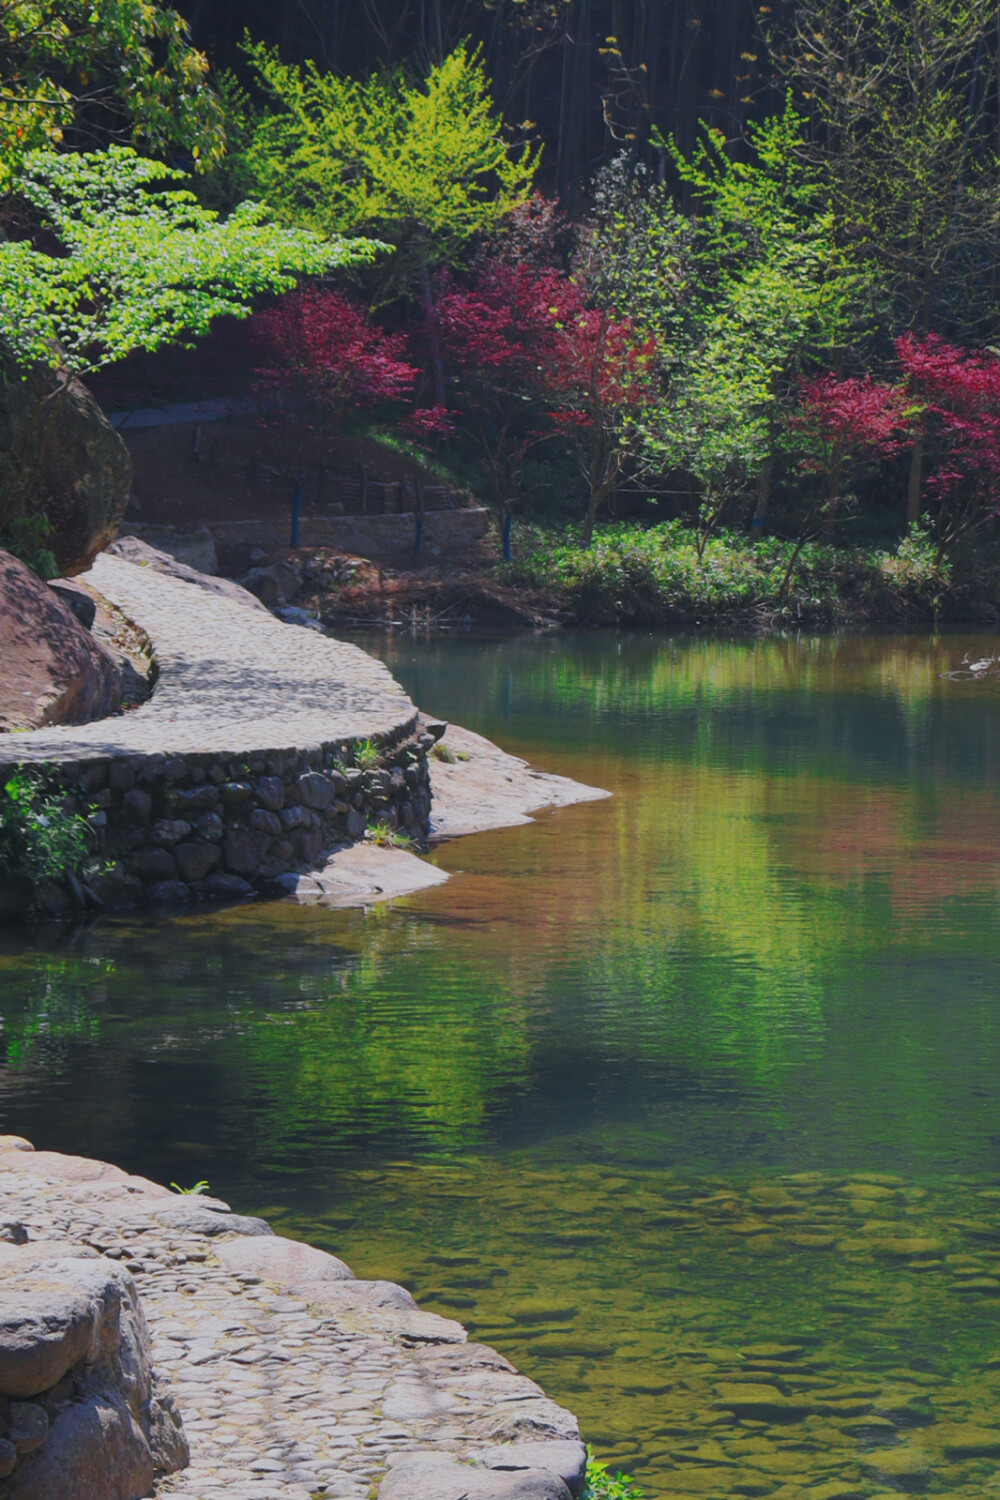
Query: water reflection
(563, 1080)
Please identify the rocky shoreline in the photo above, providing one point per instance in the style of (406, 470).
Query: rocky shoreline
(153, 1343)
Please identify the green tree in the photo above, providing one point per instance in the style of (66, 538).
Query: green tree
(423, 166)
(129, 264)
(903, 96)
(86, 71)
(765, 291)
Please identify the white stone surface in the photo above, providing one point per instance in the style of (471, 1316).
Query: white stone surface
(231, 681)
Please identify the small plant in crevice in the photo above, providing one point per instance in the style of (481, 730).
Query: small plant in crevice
(601, 1485)
(198, 1191)
(387, 838)
(40, 842)
(366, 755)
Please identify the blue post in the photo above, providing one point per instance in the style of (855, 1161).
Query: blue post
(296, 507)
(419, 533)
(508, 518)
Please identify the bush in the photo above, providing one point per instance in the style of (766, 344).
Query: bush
(654, 576)
(27, 538)
(601, 1485)
(40, 842)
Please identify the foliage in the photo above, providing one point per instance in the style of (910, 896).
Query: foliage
(366, 755)
(384, 837)
(668, 574)
(959, 395)
(27, 537)
(134, 265)
(40, 842)
(387, 157)
(197, 1191)
(601, 1484)
(100, 69)
(326, 356)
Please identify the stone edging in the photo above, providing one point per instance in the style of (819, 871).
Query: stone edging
(238, 768)
(156, 1343)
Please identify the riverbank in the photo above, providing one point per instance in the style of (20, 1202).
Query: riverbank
(268, 1371)
(266, 752)
(665, 576)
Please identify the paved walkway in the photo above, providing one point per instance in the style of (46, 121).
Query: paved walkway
(231, 681)
(294, 1380)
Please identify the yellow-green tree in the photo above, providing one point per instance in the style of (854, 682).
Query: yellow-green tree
(424, 166)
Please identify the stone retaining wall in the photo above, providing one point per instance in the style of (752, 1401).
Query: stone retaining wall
(242, 765)
(176, 828)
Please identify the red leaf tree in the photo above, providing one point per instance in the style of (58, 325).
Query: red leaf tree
(957, 394)
(844, 420)
(326, 359)
(535, 363)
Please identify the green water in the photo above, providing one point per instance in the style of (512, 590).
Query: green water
(686, 1100)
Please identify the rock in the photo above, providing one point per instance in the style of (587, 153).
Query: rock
(28, 1426)
(14, 1232)
(287, 1263)
(168, 893)
(227, 887)
(316, 790)
(54, 1315)
(266, 822)
(96, 1451)
(194, 799)
(132, 549)
(164, 1431)
(531, 1421)
(170, 831)
(154, 864)
(441, 1477)
(195, 549)
(15, 1143)
(274, 586)
(187, 1215)
(194, 861)
(359, 1294)
(246, 850)
(567, 1459)
(970, 1442)
(81, 470)
(271, 793)
(76, 600)
(54, 671)
(8, 1458)
(137, 807)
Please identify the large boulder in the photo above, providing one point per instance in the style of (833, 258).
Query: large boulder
(81, 1414)
(54, 671)
(59, 455)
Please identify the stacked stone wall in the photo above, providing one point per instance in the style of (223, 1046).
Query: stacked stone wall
(177, 828)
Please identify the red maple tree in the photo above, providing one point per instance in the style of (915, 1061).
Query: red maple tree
(844, 419)
(326, 358)
(956, 393)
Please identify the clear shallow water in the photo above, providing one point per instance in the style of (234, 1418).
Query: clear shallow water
(686, 1100)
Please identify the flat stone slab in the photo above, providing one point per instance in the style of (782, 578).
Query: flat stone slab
(361, 874)
(231, 681)
(291, 1379)
(487, 788)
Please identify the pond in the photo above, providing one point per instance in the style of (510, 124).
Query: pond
(685, 1100)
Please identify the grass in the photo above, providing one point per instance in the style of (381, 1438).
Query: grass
(387, 838)
(655, 576)
(366, 755)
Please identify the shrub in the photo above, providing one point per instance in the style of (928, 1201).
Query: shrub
(601, 1485)
(40, 842)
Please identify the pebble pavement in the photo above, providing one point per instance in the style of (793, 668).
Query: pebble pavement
(294, 1381)
(231, 680)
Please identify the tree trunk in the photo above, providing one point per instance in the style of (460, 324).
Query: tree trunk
(833, 496)
(763, 496)
(433, 334)
(915, 481)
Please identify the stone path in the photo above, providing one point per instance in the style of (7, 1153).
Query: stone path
(231, 680)
(294, 1381)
